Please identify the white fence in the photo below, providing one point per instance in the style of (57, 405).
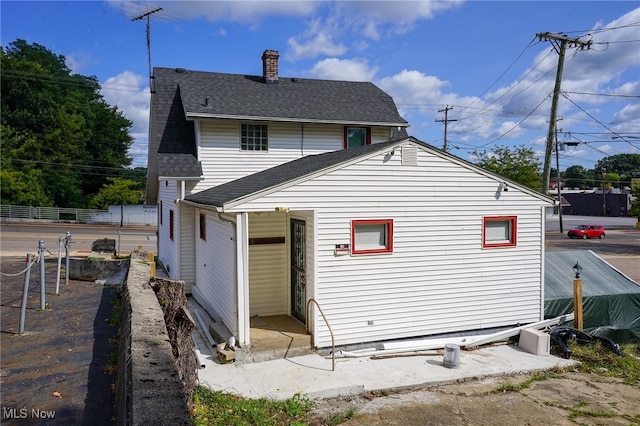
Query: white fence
(115, 215)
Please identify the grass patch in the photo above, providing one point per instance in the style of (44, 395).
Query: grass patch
(340, 418)
(597, 359)
(511, 387)
(218, 408)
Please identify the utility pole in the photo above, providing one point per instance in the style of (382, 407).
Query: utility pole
(560, 43)
(445, 121)
(139, 18)
(558, 178)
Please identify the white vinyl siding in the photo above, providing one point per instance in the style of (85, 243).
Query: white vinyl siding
(187, 232)
(167, 248)
(216, 271)
(438, 278)
(268, 283)
(223, 160)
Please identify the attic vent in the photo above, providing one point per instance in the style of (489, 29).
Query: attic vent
(181, 70)
(296, 80)
(409, 156)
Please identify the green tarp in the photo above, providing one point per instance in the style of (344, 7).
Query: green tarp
(610, 300)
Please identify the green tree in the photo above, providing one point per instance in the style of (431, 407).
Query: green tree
(118, 192)
(518, 164)
(578, 177)
(57, 122)
(622, 164)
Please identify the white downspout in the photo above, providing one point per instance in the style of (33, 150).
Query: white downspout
(542, 257)
(242, 272)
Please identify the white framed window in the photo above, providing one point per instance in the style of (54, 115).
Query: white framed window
(371, 236)
(254, 137)
(356, 136)
(499, 231)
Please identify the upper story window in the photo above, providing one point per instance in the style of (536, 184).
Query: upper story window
(254, 137)
(356, 136)
(372, 236)
(499, 231)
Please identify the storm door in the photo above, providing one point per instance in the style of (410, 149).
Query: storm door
(298, 274)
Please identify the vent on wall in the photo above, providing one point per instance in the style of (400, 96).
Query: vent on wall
(409, 156)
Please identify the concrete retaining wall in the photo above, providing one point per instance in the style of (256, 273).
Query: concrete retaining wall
(150, 390)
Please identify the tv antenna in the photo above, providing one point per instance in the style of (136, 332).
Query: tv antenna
(140, 18)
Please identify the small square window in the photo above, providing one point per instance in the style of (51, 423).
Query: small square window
(203, 226)
(499, 231)
(254, 137)
(372, 236)
(356, 136)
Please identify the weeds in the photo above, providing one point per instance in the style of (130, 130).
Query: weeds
(595, 358)
(217, 408)
(510, 387)
(342, 417)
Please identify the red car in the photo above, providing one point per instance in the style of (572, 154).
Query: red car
(587, 231)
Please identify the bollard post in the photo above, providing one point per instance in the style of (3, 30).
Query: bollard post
(67, 245)
(577, 297)
(119, 237)
(59, 264)
(41, 249)
(25, 294)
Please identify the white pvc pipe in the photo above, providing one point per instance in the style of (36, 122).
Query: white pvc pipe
(462, 341)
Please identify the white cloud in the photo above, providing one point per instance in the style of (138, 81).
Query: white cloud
(317, 40)
(343, 69)
(129, 93)
(215, 11)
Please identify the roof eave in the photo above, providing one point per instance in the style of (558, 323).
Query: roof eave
(200, 115)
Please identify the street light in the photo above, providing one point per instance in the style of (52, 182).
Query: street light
(577, 269)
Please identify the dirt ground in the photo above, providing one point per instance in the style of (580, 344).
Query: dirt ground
(573, 398)
(56, 372)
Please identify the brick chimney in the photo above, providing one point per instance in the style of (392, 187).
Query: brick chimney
(270, 66)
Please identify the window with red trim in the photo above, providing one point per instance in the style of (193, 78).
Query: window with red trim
(356, 136)
(499, 231)
(171, 222)
(371, 236)
(203, 226)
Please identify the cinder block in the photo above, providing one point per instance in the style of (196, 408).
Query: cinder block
(534, 341)
(225, 354)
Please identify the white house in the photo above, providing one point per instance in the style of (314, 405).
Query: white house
(311, 189)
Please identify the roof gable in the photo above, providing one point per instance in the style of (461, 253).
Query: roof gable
(305, 167)
(210, 94)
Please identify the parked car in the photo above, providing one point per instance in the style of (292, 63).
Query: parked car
(587, 231)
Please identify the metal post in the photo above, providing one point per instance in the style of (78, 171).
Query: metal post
(67, 245)
(59, 264)
(25, 294)
(604, 197)
(118, 249)
(41, 249)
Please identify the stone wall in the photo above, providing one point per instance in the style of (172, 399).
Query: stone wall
(150, 388)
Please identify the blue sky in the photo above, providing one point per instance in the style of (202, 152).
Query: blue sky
(480, 58)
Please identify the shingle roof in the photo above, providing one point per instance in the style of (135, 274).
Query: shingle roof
(219, 195)
(297, 99)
